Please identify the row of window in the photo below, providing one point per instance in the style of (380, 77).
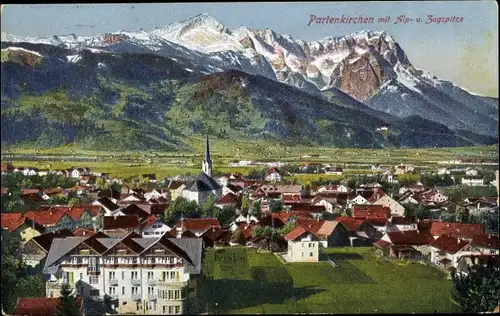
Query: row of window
(93, 279)
(160, 232)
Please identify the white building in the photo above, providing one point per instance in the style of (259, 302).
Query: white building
(154, 227)
(140, 275)
(303, 246)
(273, 175)
(471, 172)
(472, 181)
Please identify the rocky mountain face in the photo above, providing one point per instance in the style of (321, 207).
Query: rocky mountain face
(370, 67)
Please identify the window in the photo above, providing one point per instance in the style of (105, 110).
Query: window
(123, 275)
(172, 275)
(170, 294)
(177, 309)
(93, 279)
(150, 290)
(111, 290)
(170, 310)
(135, 290)
(81, 276)
(123, 290)
(302, 254)
(146, 233)
(310, 254)
(134, 275)
(177, 294)
(111, 274)
(150, 275)
(157, 233)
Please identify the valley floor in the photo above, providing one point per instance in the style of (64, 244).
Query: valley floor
(258, 283)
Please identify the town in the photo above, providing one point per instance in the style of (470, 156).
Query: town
(141, 246)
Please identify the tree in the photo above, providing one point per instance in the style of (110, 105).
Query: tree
(180, 208)
(208, 208)
(286, 229)
(352, 183)
(268, 233)
(67, 304)
(479, 290)
(237, 237)
(256, 210)
(276, 206)
(244, 204)
(101, 184)
(463, 215)
(225, 215)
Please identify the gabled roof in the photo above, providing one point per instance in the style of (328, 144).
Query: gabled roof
(455, 229)
(12, 221)
(133, 209)
(175, 184)
(203, 183)
(198, 224)
(109, 193)
(297, 232)
(410, 237)
(234, 188)
(305, 207)
(149, 221)
(45, 240)
(486, 241)
(448, 244)
(352, 224)
(228, 199)
(40, 306)
(403, 220)
(121, 222)
(273, 170)
(371, 211)
(84, 232)
(47, 217)
(107, 203)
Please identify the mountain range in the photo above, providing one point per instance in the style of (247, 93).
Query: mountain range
(197, 76)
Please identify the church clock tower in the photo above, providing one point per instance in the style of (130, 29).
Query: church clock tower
(207, 162)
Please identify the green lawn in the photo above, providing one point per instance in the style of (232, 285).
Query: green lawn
(259, 283)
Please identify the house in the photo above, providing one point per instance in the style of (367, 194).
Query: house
(108, 206)
(249, 219)
(410, 244)
(446, 250)
(175, 189)
(227, 200)
(330, 204)
(328, 233)
(80, 190)
(41, 306)
(36, 249)
(273, 175)
(77, 172)
(443, 171)
(432, 195)
(469, 260)
(357, 200)
(473, 181)
(338, 171)
(231, 188)
(303, 246)
(486, 243)
(139, 275)
(332, 188)
(471, 172)
(402, 223)
(7, 167)
(403, 169)
(459, 230)
(112, 194)
(18, 223)
(216, 237)
(197, 226)
(371, 211)
(380, 198)
(153, 227)
(116, 225)
(361, 232)
(52, 219)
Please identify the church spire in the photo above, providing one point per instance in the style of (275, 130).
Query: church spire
(207, 162)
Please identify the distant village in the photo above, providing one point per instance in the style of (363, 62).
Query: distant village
(139, 248)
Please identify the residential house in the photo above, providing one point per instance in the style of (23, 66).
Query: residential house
(108, 206)
(112, 194)
(337, 171)
(153, 227)
(418, 187)
(446, 250)
(459, 230)
(471, 172)
(385, 200)
(402, 223)
(473, 181)
(332, 188)
(486, 243)
(216, 237)
(77, 172)
(229, 199)
(150, 176)
(120, 225)
(273, 175)
(52, 219)
(18, 223)
(361, 232)
(443, 171)
(403, 169)
(140, 275)
(197, 226)
(36, 249)
(303, 246)
(328, 233)
(359, 199)
(175, 189)
(468, 261)
(330, 204)
(231, 188)
(432, 195)
(249, 219)
(410, 244)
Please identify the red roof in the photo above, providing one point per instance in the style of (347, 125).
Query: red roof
(410, 237)
(46, 217)
(198, 224)
(402, 220)
(83, 232)
(448, 244)
(381, 243)
(486, 241)
(295, 233)
(12, 221)
(455, 229)
(121, 222)
(311, 225)
(149, 221)
(377, 221)
(40, 306)
(273, 170)
(376, 196)
(305, 207)
(352, 224)
(228, 199)
(371, 211)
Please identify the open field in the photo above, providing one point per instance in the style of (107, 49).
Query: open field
(258, 283)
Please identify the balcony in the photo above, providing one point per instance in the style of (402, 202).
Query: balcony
(136, 282)
(113, 282)
(152, 282)
(152, 297)
(137, 296)
(168, 283)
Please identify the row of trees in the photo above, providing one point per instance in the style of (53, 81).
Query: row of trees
(18, 180)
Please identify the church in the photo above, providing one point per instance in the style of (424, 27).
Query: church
(203, 186)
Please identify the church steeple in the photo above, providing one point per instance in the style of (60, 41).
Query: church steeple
(207, 162)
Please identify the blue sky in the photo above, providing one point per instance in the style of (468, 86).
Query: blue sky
(465, 53)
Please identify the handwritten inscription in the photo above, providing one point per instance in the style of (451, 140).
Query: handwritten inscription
(401, 19)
